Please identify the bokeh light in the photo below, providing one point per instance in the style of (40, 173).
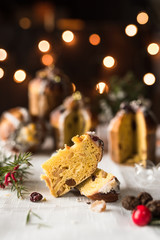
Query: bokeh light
(108, 62)
(131, 30)
(149, 79)
(3, 54)
(153, 48)
(74, 87)
(94, 39)
(25, 23)
(19, 76)
(67, 36)
(142, 18)
(47, 59)
(44, 46)
(1, 72)
(101, 87)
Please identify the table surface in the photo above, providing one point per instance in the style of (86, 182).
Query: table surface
(70, 217)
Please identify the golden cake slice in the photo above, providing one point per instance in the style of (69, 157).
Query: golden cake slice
(100, 186)
(72, 165)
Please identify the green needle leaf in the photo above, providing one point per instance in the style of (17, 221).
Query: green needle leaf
(28, 217)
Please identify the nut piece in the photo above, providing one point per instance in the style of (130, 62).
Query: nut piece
(130, 202)
(154, 207)
(144, 198)
(98, 206)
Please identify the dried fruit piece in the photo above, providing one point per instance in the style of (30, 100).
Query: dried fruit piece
(130, 202)
(36, 197)
(154, 207)
(98, 206)
(144, 198)
(70, 182)
(93, 177)
(141, 216)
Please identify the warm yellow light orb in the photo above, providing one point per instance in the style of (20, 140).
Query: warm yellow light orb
(74, 87)
(101, 87)
(44, 46)
(3, 54)
(94, 39)
(67, 36)
(1, 73)
(142, 18)
(25, 23)
(131, 30)
(47, 59)
(19, 76)
(153, 48)
(149, 79)
(108, 62)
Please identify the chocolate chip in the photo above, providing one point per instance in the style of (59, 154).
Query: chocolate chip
(70, 182)
(93, 177)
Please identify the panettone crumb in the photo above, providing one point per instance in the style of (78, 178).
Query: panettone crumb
(98, 206)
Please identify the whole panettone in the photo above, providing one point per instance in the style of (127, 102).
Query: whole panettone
(18, 132)
(70, 119)
(132, 134)
(11, 120)
(47, 91)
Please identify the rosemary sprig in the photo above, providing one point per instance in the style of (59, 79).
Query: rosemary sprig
(28, 219)
(13, 171)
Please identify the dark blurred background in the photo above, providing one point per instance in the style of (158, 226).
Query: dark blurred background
(23, 24)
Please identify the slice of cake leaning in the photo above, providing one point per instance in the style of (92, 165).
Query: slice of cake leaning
(72, 165)
(100, 186)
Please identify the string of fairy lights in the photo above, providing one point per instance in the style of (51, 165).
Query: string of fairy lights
(94, 39)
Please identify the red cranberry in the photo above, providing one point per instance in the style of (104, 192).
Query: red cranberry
(141, 216)
(36, 197)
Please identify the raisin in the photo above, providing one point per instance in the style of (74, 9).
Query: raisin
(95, 138)
(35, 197)
(144, 198)
(70, 182)
(93, 177)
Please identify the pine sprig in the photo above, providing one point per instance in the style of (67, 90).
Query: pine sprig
(13, 171)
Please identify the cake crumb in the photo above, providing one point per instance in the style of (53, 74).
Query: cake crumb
(44, 200)
(98, 206)
(7, 195)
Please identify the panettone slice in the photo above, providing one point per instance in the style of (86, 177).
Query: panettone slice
(72, 165)
(100, 186)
